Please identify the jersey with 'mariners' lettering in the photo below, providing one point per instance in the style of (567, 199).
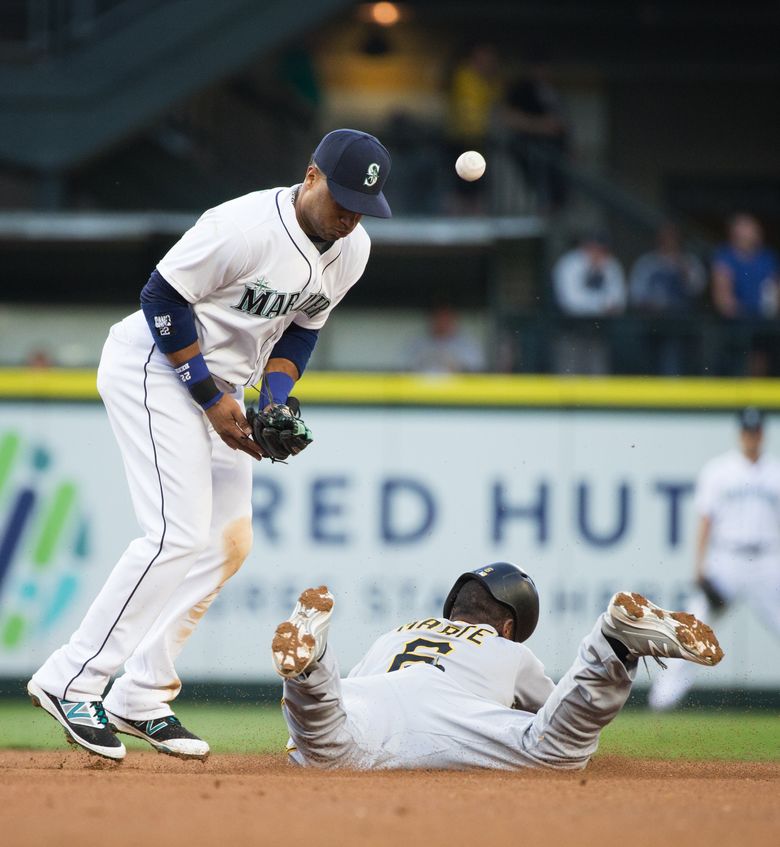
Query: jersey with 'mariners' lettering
(472, 655)
(249, 271)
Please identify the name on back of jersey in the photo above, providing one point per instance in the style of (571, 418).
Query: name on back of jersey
(475, 633)
(263, 301)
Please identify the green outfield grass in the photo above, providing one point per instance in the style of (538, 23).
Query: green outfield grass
(229, 729)
(747, 736)
(704, 734)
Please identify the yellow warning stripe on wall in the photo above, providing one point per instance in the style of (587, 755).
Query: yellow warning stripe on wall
(497, 390)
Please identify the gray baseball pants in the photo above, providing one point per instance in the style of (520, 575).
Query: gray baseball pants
(417, 718)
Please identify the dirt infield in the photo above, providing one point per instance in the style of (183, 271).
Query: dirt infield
(67, 798)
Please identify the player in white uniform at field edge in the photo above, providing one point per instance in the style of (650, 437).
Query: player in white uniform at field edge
(238, 301)
(738, 543)
(460, 690)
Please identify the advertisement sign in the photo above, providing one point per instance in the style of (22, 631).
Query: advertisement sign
(387, 507)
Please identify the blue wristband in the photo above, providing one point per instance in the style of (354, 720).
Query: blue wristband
(195, 375)
(193, 370)
(276, 388)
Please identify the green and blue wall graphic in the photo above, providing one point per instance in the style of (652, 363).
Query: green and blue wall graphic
(603, 501)
(44, 540)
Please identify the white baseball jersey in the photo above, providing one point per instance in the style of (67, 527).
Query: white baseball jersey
(742, 499)
(472, 655)
(249, 271)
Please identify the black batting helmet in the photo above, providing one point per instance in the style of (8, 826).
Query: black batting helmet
(511, 587)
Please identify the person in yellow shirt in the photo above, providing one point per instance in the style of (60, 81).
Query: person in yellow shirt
(475, 89)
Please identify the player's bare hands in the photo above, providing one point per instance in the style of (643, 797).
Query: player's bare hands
(231, 426)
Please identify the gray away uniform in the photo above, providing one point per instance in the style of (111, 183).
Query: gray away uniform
(447, 694)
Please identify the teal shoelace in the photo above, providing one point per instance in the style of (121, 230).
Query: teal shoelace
(100, 712)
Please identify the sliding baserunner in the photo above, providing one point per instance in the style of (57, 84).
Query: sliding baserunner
(461, 690)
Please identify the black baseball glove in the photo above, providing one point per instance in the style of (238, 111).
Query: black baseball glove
(716, 600)
(279, 430)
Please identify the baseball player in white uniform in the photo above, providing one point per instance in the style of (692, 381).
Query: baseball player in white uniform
(460, 690)
(738, 543)
(237, 301)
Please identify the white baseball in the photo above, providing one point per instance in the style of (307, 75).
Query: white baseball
(470, 165)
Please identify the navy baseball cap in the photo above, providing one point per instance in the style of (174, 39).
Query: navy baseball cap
(751, 419)
(356, 165)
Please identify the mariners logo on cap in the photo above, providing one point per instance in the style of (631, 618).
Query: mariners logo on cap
(356, 166)
(372, 174)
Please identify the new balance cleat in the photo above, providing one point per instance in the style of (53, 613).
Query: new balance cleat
(301, 640)
(85, 722)
(166, 735)
(647, 630)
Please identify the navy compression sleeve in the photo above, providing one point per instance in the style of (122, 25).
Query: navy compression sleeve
(296, 345)
(168, 314)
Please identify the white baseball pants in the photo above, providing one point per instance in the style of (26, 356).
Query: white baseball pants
(192, 497)
(417, 718)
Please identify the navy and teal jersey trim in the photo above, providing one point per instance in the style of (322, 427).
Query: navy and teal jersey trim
(289, 235)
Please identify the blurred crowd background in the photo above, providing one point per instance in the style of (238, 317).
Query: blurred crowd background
(627, 222)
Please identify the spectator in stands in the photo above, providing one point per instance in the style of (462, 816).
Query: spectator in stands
(744, 272)
(588, 282)
(475, 90)
(538, 136)
(666, 279)
(746, 284)
(445, 348)
(666, 282)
